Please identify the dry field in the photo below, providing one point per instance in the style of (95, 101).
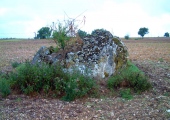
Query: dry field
(149, 49)
(151, 55)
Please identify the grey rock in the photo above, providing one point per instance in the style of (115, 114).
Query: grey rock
(44, 55)
(101, 59)
(101, 55)
(39, 55)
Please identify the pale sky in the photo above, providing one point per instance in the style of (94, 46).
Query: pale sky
(21, 18)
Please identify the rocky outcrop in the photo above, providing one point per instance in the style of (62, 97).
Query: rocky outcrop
(100, 55)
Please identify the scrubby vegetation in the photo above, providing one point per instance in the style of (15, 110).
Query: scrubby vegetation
(145, 53)
(126, 94)
(50, 80)
(131, 77)
(53, 81)
(15, 64)
(4, 87)
(60, 36)
(82, 33)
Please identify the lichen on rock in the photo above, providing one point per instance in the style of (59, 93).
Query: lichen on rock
(101, 54)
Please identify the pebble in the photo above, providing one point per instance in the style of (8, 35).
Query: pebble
(112, 114)
(168, 110)
(88, 106)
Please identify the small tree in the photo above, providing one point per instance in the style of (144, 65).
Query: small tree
(166, 34)
(60, 36)
(44, 33)
(143, 31)
(126, 37)
(81, 33)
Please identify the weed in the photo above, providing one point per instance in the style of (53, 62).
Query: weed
(29, 78)
(78, 86)
(60, 37)
(126, 94)
(168, 115)
(56, 49)
(3, 75)
(161, 60)
(15, 64)
(4, 87)
(18, 99)
(52, 49)
(130, 76)
(167, 94)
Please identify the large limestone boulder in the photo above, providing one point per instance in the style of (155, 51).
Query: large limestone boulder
(100, 55)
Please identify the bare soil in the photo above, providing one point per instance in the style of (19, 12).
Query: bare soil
(151, 55)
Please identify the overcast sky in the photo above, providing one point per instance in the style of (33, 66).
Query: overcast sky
(21, 18)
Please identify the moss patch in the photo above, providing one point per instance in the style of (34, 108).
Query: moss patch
(106, 74)
(116, 41)
(122, 53)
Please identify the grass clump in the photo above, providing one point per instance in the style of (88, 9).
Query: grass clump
(78, 86)
(15, 64)
(29, 78)
(126, 94)
(130, 77)
(4, 87)
(47, 79)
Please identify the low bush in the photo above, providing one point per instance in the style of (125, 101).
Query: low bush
(15, 64)
(78, 86)
(82, 33)
(130, 77)
(53, 81)
(60, 36)
(126, 94)
(4, 87)
(29, 78)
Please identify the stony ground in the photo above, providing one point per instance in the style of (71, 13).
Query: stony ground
(151, 56)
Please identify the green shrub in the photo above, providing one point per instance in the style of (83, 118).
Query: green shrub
(15, 64)
(3, 75)
(78, 86)
(29, 78)
(52, 49)
(60, 36)
(161, 60)
(4, 87)
(82, 34)
(133, 77)
(126, 94)
(126, 37)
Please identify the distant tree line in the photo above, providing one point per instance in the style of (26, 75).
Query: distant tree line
(46, 32)
(7, 38)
